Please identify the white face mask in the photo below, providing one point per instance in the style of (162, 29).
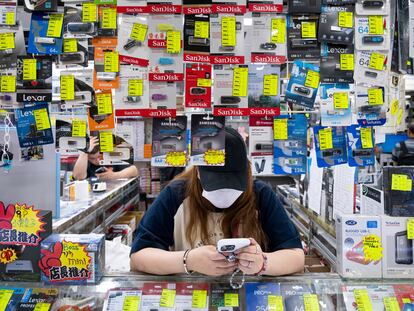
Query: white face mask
(222, 198)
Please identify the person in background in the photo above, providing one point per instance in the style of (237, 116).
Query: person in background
(180, 230)
(87, 165)
(403, 152)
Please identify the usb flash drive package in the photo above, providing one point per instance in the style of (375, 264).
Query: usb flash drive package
(268, 38)
(302, 40)
(107, 23)
(264, 86)
(261, 144)
(369, 70)
(290, 144)
(337, 101)
(123, 153)
(303, 84)
(39, 42)
(75, 58)
(330, 145)
(66, 142)
(133, 92)
(223, 96)
(372, 39)
(197, 34)
(332, 69)
(360, 146)
(162, 95)
(169, 142)
(207, 140)
(198, 85)
(338, 2)
(102, 79)
(304, 6)
(84, 93)
(373, 7)
(6, 9)
(371, 111)
(334, 27)
(73, 24)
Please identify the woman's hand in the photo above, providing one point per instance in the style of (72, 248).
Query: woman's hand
(250, 258)
(207, 260)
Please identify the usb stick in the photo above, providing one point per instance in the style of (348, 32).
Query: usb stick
(372, 4)
(372, 39)
(45, 40)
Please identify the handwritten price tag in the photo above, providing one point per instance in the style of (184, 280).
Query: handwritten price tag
(54, 28)
(199, 299)
(202, 30)
(78, 128)
(203, 82)
(41, 119)
(346, 19)
(8, 84)
(270, 85)
(308, 30)
(346, 62)
(104, 102)
(312, 79)
(42, 306)
(29, 69)
(167, 299)
(410, 228)
(377, 61)
(5, 296)
(173, 42)
(106, 141)
(391, 304)
(366, 138)
(228, 31)
(89, 13)
(341, 100)
(311, 302)
(67, 87)
(278, 30)
(375, 96)
(280, 129)
(240, 79)
(7, 41)
(111, 62)
(109, 18)
(275, 303)
(372, 247)
(376, 25)
(135, 87)
(139, 32)
(362, 300)
(231, 299)
(70, 45)
(401, 182)
(325, 139)
(10, 18)
(131, 303)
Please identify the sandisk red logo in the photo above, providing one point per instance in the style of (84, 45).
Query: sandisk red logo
(168, 77)
(160, 113)
(148, 113)
(164, 9)
(231, 112)
(196, 58)
(198, 105)
(155, 43)
(268, 59)
(133, 60)
(236, 9)
(278, 8)
(227, 60)
(198, 10)
(264, 111)
(131, 9)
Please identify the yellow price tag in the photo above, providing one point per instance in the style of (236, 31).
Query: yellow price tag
(372, 247)
(8, 84)
(202, 29)
(173, 42)
(410, 228)
(70, 45)
(362, 300)
(89, 13)
(240, 79)
(199, 299)
(228, 31)
(78, 128)
(280, 129)
(346, 62)
(308, 29)
(135, 87)
(311, 302)
(341, 100)
(346, 19)
(139, 32)
(131, 303)
(275, 303)
(377, 61)
(7, 41)
(29, 69)
(109, 18)
(406, 300)
(400, 115)
(167, 299)
(111, 62)
(312, 79)
(376, 25)
(270, 85)
(106, 141)
(42, 306)
(203, 82)
(54, 27)
(104, 103)
(278, 30)
(10, 18)
(394, 107)
(366, 138)
(325, 138)
(5, 296)
(42, 119)
(391, 304)
(375, 96)
(401, 182)
(231, 299)
(67, 87)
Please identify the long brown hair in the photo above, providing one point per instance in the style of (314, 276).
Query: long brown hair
(240, 220)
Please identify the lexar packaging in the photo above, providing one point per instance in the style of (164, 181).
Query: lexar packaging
(261, 295)
(337, 63)
(218, 294)
(72, 259)
(356, 238)
(290, 145)
(398, 259)
(169, 141)
(331, 145)
(337, 102)
(304, 6)
(261, 144)
(302, 40)
(336, 25)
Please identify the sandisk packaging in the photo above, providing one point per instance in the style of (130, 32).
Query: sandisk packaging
(224, 87)
(261, 144)
(162, 95)
(198, 85)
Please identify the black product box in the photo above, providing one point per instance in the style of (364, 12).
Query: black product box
(192, 41)
(298, 45)
(334, 27)
(304, 6)
(25, 267)
(331, 70)
(398, 191)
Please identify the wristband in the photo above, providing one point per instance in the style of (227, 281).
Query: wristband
(185, 261)
(264, 267)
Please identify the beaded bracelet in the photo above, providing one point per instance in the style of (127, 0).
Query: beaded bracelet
(185, 261)
(264, 267)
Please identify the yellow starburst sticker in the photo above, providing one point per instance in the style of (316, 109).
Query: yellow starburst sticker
(372, 247)
(176, 158)
(214, 157)
(27, 220)
(7, 255)
(74, 255)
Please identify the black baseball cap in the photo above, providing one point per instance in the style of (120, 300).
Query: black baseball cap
(233, 175)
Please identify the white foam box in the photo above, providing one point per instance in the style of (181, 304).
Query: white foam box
(351, 259)
(398, 259)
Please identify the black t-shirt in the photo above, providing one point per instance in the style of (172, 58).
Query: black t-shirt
(92, 168)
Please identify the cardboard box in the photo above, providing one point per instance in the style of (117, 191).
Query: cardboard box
(131, 220)
(25, 266)
(76, 259)
(398, 249)
(138, 215)
(352, 260)
(398, 191)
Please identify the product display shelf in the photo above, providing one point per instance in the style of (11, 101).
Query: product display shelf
(94, 214)
(319, 235)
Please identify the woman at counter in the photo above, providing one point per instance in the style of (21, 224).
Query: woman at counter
(180, 230)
